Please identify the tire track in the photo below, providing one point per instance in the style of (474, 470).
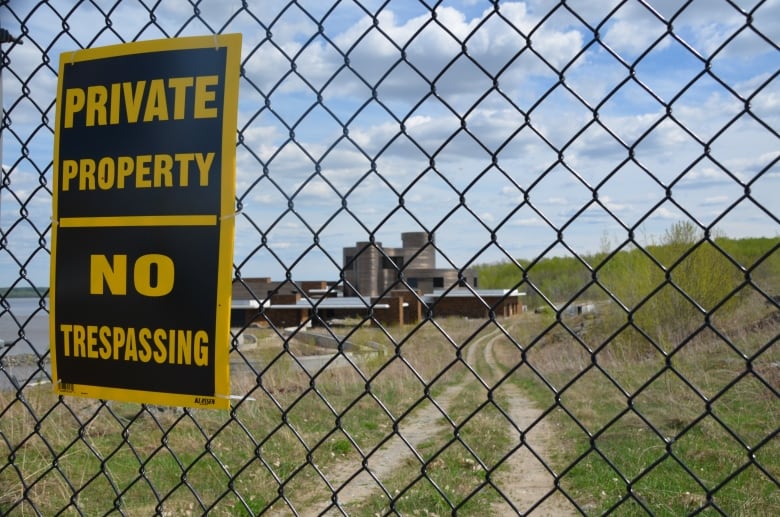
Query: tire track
(526, 481)
(415, 429)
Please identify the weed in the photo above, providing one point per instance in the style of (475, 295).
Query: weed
(674, 417)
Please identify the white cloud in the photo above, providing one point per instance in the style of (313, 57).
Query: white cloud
(666, 214)
(705, 25)
(399, 132)
(715, 201)
(613, 205)
(528, 222)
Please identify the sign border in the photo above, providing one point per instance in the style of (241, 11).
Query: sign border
(221, 398)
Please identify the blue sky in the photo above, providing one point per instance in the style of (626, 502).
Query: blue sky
(501, 147)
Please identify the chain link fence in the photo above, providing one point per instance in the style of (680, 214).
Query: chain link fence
(607, 166)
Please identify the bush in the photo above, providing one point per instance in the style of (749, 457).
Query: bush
(665, 291)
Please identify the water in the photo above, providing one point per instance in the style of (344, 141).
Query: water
(22, 317)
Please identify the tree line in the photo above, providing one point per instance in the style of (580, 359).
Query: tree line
(683, 277)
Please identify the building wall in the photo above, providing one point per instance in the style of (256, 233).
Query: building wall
(263, 288)
(404, 307)
(412, 305)
(418, 251)
(251, 288)
(473, 307)
(307, 286)
(370, 272)
(393, 315)
(282, 318)
(430, 280)
(361, 265)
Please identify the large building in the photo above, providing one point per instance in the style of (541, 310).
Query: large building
(393, 286)
(374, 270)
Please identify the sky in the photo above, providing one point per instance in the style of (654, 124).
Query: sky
(522, 129)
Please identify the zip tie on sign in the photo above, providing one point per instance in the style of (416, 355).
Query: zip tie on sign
(234, 397)
(229, 216)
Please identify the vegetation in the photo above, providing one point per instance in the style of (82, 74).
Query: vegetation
(666, 287)
(671, 428)
(669, 395)
(665, 400)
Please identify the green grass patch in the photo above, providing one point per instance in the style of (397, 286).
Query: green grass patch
(675, 432)
(672, 419)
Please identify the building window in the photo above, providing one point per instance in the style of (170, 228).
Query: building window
(349, 262)
(412, 282)
(392, 262)
(438, 281)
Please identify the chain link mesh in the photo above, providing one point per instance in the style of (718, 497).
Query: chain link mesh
(636, 388)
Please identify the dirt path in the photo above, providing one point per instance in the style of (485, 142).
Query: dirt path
(415, 429)
(527, 481)
(524, 483)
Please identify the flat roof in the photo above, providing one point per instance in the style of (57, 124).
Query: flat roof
(330, 302)
(467, 293)
(244, 304)
(360, 302)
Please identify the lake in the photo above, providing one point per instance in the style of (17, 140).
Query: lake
(25, 318)
(25, 315)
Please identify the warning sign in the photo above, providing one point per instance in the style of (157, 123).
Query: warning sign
(143, 221)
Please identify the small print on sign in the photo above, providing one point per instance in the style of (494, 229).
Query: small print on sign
(144, 189)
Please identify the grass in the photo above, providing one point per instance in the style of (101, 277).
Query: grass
(451, 473)
(682, 426)
(677, 431)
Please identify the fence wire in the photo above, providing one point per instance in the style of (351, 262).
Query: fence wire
(644, 376)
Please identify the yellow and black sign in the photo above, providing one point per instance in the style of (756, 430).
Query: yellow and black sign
(143, 221)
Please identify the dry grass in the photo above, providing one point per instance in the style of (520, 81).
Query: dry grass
(608, 387)
(664, 423)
